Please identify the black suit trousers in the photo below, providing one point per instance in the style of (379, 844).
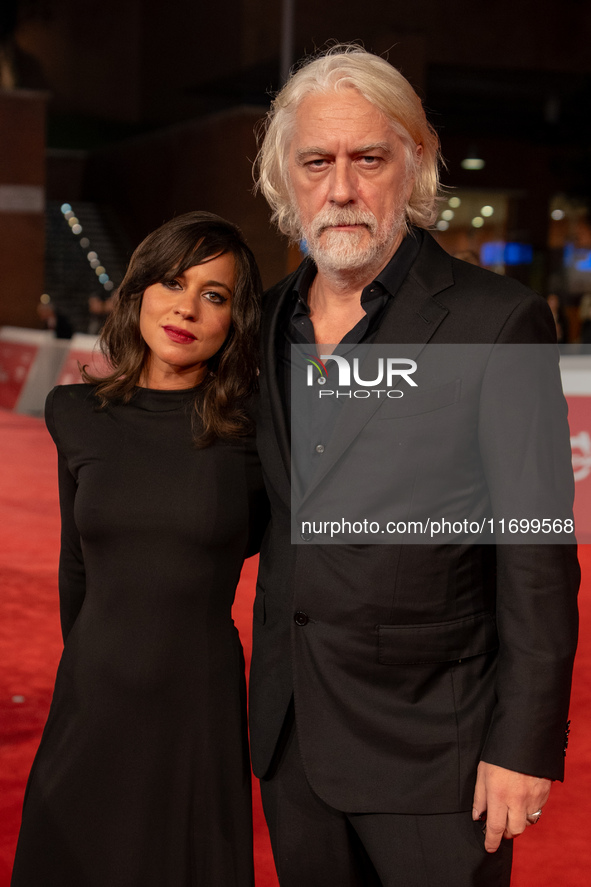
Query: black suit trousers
(315, 845)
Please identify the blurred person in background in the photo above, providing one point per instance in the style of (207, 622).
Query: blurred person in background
(468, 255)
(54, 319)
(560, 318)
(585, 319)
(99, 309)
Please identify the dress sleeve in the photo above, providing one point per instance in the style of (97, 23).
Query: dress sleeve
(72, 574)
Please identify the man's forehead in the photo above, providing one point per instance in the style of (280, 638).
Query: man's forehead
(322, 126)
(336, 102)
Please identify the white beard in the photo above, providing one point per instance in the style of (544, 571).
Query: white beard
(336, 252)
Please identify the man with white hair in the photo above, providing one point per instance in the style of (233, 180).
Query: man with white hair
(408, 703)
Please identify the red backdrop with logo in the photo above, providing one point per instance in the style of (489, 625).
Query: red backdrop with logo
(579, 417)
(70, 373)
(16, 359)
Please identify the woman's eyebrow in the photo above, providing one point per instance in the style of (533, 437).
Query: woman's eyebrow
(218, 283)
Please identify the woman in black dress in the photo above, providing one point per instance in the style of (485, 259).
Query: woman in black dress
(142, 778)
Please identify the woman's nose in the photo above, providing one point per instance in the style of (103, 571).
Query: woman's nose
(186, 307)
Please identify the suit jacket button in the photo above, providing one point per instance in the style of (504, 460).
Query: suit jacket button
(301, 618)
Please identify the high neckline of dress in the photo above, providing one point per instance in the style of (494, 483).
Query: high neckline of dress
(160, 400)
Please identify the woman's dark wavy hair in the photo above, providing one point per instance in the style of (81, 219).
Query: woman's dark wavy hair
(185, 241)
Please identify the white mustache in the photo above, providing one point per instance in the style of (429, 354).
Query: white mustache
(329, 218)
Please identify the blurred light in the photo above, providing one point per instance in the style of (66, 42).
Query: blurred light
(99, 270)
(103, 278)
(72, 221)
(84, 242)
(108, 285)
(77, 229)
(447, 214)
(493, 253)
(91, 255)
(518, 254)
(477, 222)
(557, 214)
(472, 160)
(500, 253)
(65, 208)
(454, 202)
(45, 299)
(69, 214)
(94, 263)
(472, 163)
(583, 260)
(442, 225)
(487, 211)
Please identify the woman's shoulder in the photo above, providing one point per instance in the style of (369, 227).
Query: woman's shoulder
(66, 403)
(72, 396)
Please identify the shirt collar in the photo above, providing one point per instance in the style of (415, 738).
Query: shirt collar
(388, 280)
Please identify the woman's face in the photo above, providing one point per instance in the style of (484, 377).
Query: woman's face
(185, 321)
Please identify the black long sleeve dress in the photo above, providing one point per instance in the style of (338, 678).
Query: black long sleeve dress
(142, 778)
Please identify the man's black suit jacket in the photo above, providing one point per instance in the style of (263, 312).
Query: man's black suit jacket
(410, 663)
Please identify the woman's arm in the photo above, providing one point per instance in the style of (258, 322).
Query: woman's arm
(72, 574)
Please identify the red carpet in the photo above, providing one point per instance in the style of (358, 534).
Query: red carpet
(557, 853)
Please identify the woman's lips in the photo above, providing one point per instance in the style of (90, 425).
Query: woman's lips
(176, 334)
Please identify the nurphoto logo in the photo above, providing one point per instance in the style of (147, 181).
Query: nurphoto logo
(388, 371)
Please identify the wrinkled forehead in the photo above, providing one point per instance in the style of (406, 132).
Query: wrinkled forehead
(346, 117)
(342, 123)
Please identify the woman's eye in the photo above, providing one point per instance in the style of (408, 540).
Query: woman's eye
(171, 284)
(217, 298)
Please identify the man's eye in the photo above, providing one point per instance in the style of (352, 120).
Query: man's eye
(369, 160)
(317, 164)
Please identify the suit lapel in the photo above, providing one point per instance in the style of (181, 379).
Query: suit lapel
(414, 313)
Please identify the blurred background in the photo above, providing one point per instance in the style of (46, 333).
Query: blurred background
(117, 115)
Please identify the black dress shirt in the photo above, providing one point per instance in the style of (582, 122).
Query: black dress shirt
(311, 430)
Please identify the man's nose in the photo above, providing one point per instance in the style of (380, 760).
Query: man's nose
(343, 189)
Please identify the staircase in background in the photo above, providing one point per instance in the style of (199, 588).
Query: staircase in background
(70, 280)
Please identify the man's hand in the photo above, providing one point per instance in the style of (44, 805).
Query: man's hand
(508, 798)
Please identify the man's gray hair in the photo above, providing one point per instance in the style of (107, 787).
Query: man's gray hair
(342, 67)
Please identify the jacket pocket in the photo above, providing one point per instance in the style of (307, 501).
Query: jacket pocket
(438, 641)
